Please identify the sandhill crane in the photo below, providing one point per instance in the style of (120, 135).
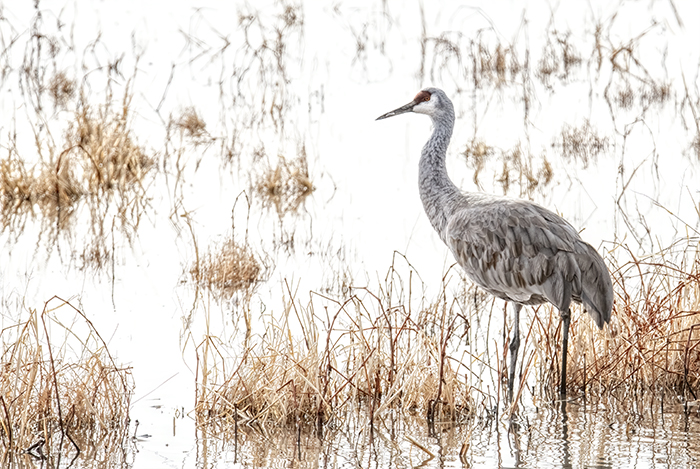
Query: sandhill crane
(514, 249)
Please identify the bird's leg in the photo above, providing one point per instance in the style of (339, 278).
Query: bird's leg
(566, 319)
(513, 347)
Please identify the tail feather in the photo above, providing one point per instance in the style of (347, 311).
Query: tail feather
(596, 287)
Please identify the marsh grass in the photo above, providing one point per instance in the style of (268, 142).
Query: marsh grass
(85, 166)
(374, 353)
(73, 165)
(100, 167)
(61, 392)
(362, 358)
(558, 58)
(649, 355)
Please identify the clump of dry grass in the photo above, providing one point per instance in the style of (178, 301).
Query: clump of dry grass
(654, 93)
(62, 89)
(477, 153)
(192, 124)
(101, 140)
(521, 164)
(493, 64)
(83, 154)
(54, 190)
(369, 359)
(581, 143)
(650, 352)
(61, 393)
(625, 97)
(98, 163)
(285, 186)
(230, 268)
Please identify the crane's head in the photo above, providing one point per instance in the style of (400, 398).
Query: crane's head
(431, 101)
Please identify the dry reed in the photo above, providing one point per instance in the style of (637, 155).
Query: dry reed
(229, 268)
(61, 393)
(650, 352)
(368, 360)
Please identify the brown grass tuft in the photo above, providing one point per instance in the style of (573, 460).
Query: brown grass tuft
(103, 143)
(477, 154)
(230, 268)
(98, 164)
(62, 89)
(655, 93)
(625, 97)
(559, 56)
(368, 359)
(60, 390)
(650, 352)
(54, 189)
(191, 124)
(516, 167)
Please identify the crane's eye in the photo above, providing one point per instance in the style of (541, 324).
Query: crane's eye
(426, 97)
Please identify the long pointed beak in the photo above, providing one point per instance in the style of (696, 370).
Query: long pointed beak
(406, 108)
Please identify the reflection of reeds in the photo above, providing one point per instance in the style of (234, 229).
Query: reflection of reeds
(60, 390)
(101, 165)
(581, 143)
(285, 186)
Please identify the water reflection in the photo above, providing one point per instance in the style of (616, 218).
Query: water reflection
(563, 435)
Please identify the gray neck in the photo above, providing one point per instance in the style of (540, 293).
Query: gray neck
(437, 191)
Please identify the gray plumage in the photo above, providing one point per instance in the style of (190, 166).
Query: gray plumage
(514, 249)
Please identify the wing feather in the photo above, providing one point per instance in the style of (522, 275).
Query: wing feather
(517, 250)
